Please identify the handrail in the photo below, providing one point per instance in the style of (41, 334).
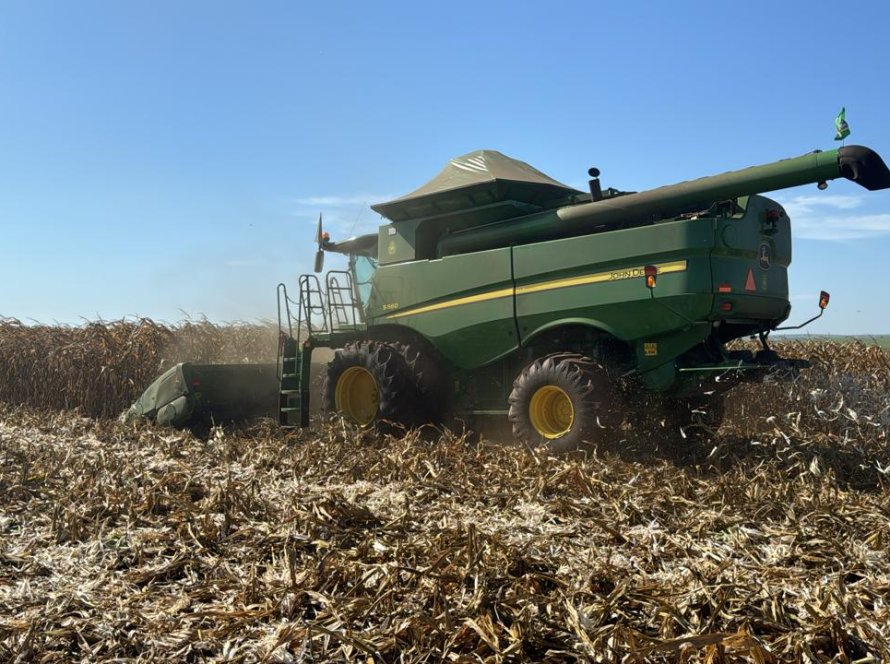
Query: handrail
(281, 289)
(320, 312)
(309, 287)
(342, 301)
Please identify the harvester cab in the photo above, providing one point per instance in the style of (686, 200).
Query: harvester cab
(495, 290)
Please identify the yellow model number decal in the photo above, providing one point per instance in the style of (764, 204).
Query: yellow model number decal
(630, 273)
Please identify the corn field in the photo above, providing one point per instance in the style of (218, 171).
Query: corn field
(766, 541)
(100, 368)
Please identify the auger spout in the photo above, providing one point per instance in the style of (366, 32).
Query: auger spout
(856, 163)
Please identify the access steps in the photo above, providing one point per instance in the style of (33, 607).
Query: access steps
(319, 315)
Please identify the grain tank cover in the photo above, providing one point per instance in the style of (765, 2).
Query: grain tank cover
(480, 179)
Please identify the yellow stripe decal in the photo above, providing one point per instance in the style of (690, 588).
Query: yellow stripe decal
(482, 297)
(599, 277)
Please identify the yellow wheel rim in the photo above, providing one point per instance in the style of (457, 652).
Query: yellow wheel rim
(551, 412)
(356, 396)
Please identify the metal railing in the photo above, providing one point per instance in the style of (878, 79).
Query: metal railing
(284, 302)
(344, 309)
(314, 312)
(337, 308)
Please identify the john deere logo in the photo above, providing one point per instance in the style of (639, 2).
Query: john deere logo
(765, 258)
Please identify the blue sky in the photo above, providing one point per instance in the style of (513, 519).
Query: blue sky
(169, 159)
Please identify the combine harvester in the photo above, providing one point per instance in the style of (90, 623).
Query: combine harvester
(497, 292)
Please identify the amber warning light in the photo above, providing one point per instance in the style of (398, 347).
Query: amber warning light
(651, 272)
(823, 304)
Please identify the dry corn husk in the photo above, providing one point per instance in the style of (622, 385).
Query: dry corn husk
(767, 542)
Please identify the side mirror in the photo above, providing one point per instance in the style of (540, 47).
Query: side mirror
(319, 260)
(823, 299)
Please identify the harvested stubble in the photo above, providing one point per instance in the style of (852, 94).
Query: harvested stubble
(101, 367)
(768, 543)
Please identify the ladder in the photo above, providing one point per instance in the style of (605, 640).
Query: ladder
(318, 314)
(293, 395)
(293, 390)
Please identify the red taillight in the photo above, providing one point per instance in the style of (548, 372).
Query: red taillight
(725, 306)
(651, 273)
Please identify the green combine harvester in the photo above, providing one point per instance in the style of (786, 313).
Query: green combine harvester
(495, 291)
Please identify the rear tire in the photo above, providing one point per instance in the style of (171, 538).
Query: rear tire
(562, 401)
(371, 385)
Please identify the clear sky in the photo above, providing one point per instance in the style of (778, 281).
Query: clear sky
(166, 159)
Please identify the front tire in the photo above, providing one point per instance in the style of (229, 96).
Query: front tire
(429, 383)
(371, 385)
(562, 401)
